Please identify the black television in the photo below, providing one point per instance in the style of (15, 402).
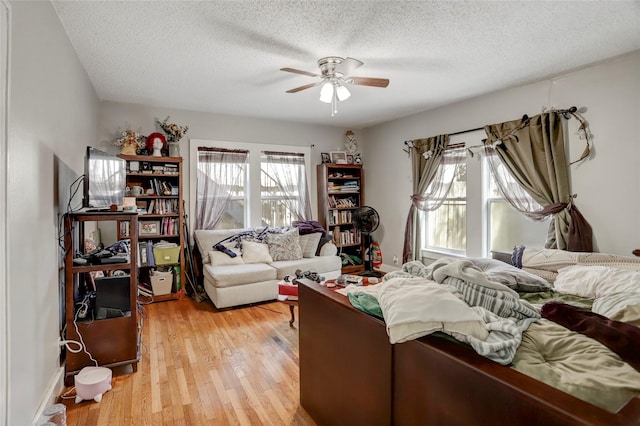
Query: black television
(104, 180)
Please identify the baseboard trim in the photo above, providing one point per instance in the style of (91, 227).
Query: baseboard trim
(51, 397)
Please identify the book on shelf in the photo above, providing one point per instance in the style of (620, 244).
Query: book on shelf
(144, 289)
(150, 259)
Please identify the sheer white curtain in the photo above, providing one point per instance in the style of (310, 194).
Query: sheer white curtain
(438, 189)
(284, 183)
(510, 189)
(219, 175)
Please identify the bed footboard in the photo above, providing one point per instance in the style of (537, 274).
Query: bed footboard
(345, 361)
(438, 382)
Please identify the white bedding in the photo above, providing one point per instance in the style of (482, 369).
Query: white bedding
(596, 281)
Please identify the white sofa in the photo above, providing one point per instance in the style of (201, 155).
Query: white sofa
(242, 283)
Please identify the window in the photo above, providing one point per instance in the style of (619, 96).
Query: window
(240, 185)
(283, 185)
(221, 181)
(446, 226)
(474, 218)
(508, 227)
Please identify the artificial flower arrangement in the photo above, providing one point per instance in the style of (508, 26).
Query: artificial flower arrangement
(130, 142)
(173, 131)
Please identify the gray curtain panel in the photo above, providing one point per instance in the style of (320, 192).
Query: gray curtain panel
(533, 151)
(423, 170)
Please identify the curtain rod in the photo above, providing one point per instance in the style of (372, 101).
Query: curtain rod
(456, 133)
(566, 113)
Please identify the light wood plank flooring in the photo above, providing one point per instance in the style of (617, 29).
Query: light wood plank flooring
(201, 366)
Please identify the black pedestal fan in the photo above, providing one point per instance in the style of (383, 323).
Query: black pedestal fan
(366, 220)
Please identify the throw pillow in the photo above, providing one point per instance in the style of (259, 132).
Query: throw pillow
(253, 252)
(285, 246)
(309, 243)
(509, 275)
(219, 258)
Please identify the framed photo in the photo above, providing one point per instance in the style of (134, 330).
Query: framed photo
(325, 157)
(149, 227)
(338, 157)
(349, 159)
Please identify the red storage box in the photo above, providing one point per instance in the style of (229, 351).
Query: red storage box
(287, 289)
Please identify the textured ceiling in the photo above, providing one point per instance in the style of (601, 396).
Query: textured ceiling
(225, 56)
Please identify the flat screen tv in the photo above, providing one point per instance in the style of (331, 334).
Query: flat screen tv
(104, 180)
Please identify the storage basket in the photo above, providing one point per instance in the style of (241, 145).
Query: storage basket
(166, 255)
(161, 282)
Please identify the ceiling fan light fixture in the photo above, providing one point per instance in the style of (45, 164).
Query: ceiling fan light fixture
(326, 92)
(343, 93)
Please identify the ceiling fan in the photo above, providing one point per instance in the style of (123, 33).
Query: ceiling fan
(335, 73)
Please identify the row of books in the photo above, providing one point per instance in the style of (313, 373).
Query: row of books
(342, 202)
(348, 187)
(153, 168)
(346, 237)
(163, 206)
(162, 187)
(337, 217)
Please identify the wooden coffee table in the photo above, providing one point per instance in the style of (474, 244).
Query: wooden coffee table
(292, 304)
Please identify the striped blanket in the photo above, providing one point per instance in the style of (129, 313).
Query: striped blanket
(505, 316)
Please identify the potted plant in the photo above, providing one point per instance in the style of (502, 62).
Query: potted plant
(174, 134)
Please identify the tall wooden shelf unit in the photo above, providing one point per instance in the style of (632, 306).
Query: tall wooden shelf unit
(166, 209)
(336, 203)
(111, 341)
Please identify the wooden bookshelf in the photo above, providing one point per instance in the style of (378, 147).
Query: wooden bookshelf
(340, 192)
(162, 214)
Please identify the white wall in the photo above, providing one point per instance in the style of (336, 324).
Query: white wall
(115, 117)
(607, 184)
(52, 117)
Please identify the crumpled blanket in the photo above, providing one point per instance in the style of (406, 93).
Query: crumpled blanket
(308, 227)
(415, 307)
(504, 315)
(620, 337)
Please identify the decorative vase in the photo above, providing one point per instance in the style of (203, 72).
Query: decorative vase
(129, 148)
(174, 150)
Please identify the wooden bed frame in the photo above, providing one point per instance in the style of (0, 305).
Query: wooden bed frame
(351, 374)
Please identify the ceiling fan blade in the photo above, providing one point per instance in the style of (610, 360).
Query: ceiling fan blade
(348, 66)
(369, 81)
(295, 71)
(306, 86)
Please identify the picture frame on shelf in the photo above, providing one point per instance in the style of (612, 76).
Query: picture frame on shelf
(349, 159)
(149, 227)
(325, 157)
(338, 157)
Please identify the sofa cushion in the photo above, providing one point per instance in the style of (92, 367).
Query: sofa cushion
(309, 243)
(206, 238)
(218, 258)
(233, 275)
(319, 264)
(284, 246)
(254, 252)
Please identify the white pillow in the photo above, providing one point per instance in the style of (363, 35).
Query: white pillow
(596, 281)
(309, 243)
(219, 258)
(253, 252)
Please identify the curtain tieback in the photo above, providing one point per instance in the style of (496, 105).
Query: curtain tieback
(556, 208)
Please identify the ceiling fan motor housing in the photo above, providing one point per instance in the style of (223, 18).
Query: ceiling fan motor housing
(328, 64)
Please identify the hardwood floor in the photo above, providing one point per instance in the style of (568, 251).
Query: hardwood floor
(201, 366)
